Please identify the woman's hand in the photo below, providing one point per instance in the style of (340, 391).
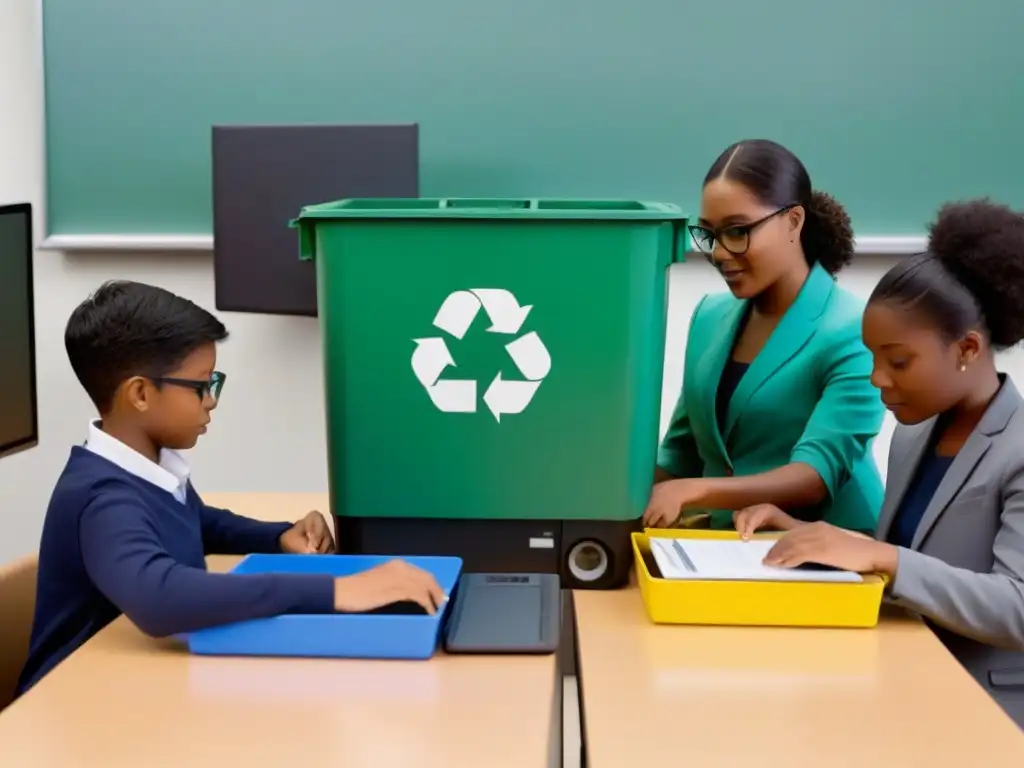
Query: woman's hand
(668, 499)
(828, 545)
(760, 516)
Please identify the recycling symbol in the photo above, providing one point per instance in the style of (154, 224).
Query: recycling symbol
(503, 396)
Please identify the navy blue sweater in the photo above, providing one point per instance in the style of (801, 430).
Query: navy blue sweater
(113, 543)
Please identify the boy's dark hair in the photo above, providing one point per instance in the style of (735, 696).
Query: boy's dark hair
(130, 329)
(777, 178)
(971, 277)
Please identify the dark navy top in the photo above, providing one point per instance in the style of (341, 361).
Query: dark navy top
(114, 543)
(919, 494)
(731, 375)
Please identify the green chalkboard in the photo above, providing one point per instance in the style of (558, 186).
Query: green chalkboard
(895, 105)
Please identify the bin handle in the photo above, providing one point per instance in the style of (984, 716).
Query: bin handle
(487, 203)
(307, 243)
(681, 246)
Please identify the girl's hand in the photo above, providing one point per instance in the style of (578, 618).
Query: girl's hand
(749, 520)
(826, 544)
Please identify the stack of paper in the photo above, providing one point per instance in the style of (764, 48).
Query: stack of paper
(732, 560)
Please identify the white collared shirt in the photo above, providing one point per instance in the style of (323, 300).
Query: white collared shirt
(171, 474)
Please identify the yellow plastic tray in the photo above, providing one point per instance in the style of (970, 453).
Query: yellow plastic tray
(750, 603)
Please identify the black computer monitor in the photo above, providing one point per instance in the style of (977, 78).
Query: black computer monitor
(19, 414)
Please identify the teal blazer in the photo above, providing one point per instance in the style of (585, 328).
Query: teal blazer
(807, 397)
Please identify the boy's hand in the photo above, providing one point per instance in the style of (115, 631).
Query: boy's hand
(392, 582)
(309, 536)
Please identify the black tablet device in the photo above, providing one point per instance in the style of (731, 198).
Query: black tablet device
(505, 613)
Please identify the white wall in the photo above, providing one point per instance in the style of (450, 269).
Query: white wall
(273, 364)
(274, 383)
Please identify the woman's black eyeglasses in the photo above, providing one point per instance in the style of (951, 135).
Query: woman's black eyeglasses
(735, 239)
(202, 388)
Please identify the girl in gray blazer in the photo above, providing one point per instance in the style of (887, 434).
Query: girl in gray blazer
(951, 532)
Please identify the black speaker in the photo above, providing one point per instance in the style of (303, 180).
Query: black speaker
(586, 554)
(596, 554)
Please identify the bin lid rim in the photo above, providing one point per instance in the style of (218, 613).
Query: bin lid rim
(596, 209)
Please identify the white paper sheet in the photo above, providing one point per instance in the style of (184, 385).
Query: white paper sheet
(732, 560)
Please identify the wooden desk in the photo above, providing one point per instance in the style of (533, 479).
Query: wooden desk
(711, 696)
(126, 700)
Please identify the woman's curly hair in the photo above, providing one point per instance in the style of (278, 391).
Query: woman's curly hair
(828, 232)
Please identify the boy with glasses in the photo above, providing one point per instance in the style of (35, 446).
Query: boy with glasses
(125, 531)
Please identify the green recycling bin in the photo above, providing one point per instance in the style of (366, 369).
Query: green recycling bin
(493, 374)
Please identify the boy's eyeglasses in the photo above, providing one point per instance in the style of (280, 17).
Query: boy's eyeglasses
(735, 239)
(202, 388)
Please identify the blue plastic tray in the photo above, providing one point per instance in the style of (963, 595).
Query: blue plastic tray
(340, 635)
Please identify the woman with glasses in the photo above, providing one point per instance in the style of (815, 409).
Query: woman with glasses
(777, 405)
